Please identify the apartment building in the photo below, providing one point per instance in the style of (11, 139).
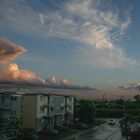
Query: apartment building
(10, 105)
(57, 110)
(69, 109)
(47, 111)
(60, 110)
(37, 110)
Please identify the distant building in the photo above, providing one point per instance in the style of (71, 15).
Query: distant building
(10, 106)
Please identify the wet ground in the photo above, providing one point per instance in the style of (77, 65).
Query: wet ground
(103, 132)
(59, 136)
(106, 132)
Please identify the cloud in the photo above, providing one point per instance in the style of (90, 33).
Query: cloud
(100, 29)
(107, 58)
(54, 81)
(131, 86)
(82, 21)
(9, 51)
(42, 18)
(10, 73)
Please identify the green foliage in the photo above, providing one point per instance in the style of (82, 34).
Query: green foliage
(85, 111)
(13, 128)
(109, 113)
(129, 125)
(99, 122)
(115, 113)
(119, 101)
(137, 98)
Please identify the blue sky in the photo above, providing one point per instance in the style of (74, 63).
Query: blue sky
(88, 42)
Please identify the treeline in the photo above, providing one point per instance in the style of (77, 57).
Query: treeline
(87, 110)
(115, 113)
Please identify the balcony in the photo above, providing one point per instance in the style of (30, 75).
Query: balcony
(48, 115)
(5, 106)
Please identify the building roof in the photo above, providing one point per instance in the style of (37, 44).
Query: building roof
(48, 94)
(11, 93)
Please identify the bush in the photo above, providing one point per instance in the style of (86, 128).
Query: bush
(14, 128)
(99, 122)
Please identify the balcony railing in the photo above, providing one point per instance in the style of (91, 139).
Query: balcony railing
(5, 106)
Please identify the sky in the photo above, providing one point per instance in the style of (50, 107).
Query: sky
(81, 42)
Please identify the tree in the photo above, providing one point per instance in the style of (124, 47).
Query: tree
(137, 98)
(137, 101)
(13, 128)
(86, 111)
(120, 102)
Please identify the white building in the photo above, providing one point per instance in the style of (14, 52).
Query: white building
(69, 110)
(60, 110)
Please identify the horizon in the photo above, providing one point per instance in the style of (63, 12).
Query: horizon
(78, 93)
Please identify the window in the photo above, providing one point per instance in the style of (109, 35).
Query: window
(41, 98)
(13, 98)
(41, 109)
(62, 108)
(51, 108)
(13, 112)
(70, 99)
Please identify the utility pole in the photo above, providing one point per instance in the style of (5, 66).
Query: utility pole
(124, 115)
(103, 98)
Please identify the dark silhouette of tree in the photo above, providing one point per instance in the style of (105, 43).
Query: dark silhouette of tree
(86, 111)
(137, 98)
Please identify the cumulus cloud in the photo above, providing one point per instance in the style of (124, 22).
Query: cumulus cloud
(10, 73)
(9, 51)
(54, 81)
(82, 21)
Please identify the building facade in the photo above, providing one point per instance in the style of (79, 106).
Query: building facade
(10, 105)
(34, 111)
(37, 110)
(69, 109)
(47, 111)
